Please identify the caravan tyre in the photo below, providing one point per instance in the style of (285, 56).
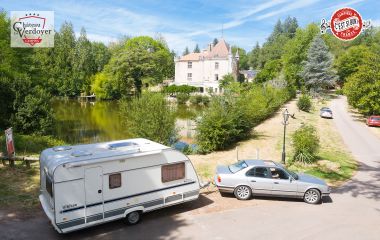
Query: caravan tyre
(133, 217)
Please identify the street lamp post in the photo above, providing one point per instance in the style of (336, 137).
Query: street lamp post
(285, 116)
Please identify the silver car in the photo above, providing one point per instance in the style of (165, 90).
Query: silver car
(325, 112)
(268, 178)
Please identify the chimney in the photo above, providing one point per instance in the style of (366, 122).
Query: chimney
(209, 47)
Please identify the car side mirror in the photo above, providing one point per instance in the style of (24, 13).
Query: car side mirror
(291, 179)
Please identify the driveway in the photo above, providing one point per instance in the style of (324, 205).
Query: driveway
(353, 212)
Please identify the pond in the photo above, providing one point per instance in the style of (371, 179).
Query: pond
(89, 122)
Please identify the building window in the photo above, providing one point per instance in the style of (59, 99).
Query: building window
(189, 64)
(114, 180)
(189, 76)
(216, 77)
(172, 172)
(216, 65)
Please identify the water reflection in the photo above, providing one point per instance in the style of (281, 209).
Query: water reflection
(88, 122)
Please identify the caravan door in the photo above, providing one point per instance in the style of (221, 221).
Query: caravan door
(93, 185)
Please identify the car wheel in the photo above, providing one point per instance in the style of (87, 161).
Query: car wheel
(243, 192)
(312, 196)
(133, 218)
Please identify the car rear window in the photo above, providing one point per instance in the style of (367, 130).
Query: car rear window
(236, 167)
(375, 118)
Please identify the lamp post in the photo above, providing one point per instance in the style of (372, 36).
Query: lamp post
(285, 116)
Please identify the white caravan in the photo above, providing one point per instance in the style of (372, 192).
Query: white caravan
(86, 185)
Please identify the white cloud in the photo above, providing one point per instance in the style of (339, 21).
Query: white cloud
(292, 6)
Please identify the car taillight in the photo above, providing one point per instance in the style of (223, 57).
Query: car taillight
(219, 179)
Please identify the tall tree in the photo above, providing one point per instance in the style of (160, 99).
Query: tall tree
(215, 42)
(362, 88)
(141, 61)
(317, 72)
(253, 56)
(289, 27)
(196, 49)
(295, 52)
(83, 62)
(186, 51)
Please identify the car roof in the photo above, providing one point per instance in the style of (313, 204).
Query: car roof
(262, 163)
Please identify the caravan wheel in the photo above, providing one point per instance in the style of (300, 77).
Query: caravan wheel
(133, 217)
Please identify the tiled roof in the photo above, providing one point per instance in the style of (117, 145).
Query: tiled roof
(220, 50)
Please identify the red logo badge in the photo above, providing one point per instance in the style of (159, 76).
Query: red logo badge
(346, 24)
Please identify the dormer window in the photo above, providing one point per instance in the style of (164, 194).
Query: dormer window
(189, 64)
(216, 65)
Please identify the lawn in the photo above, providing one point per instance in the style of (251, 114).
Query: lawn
(19, 185)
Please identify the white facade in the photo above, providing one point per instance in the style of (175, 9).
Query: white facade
(205, 69)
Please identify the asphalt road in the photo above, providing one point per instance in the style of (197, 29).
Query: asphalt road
(353, 211)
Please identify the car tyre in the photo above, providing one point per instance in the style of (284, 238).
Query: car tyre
(312, 196)
(243, 192)
(133, 217)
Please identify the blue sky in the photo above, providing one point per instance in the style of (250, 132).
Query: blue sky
(185, 23)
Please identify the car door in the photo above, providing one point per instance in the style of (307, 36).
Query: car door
(260, 181)
(283, 184)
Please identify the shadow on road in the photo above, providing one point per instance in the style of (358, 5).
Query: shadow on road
(160, 224)
(368, 188)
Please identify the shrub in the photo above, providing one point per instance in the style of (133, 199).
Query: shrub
(149, 116)
(305, 144)
(34, 114)
(199, 99)
(205, 100)
(304, 103)
(31, 144)
(173, 89)
(196, 99)
(182, 98)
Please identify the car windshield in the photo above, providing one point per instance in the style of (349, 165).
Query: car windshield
(294, 175)
(237, 166)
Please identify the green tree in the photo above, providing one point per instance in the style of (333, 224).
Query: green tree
(362, 88)
(186, 51)
(318, 73)
(196, 49)
(141, 61)
(290, 26)
(295, 52)
(215, 42)
(243, 58)
(349, 62)
(270, 71)
(254, 56)
(149, 116)
(35, 115)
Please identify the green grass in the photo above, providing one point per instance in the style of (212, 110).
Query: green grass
(347, 167)
(31, 144)
(19, 185)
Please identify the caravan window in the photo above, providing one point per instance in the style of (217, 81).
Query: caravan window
(173, 172)
(49, 186)
(114, 180)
